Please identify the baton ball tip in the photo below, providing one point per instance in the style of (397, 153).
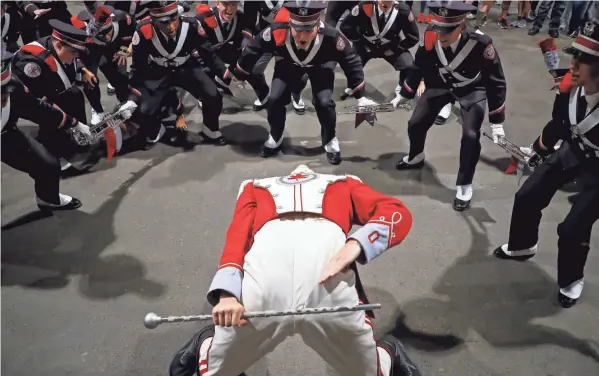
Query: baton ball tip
(151, 320)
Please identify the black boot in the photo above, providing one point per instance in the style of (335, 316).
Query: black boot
(565, 301)
(334, 158)
(401, 364)
(500, 253)
(461, 205)
(186, 362)
(218, 141)
(267, 152)
(534, 30)
(440, 120)
(74, 204)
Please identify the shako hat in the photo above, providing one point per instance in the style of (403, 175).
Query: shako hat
(448, 15)
(68, 34)
(586, 44)
(304, 15)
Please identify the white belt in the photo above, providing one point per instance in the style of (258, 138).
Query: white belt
(174, 62)
(463, 81)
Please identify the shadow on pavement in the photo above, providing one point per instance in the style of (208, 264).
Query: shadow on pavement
(70, 244)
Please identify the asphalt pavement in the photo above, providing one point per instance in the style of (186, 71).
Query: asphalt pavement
(76, 285)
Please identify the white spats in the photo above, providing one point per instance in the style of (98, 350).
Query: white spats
(110, 87)
(203, 359)
(299, 105)
(464, 192)
(64, 200)
(445, 111)
(384, 361)
(520, 252)
(397, 89)
(332, 146)
(211, 134)
(159, 136)
(97, 117)
(259, 102)
(64, 164)
(574, 290)
(271, 143)
(417, 159)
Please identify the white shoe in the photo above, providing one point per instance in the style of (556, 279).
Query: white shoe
(97, 117)
(199, 104)
(299, 105)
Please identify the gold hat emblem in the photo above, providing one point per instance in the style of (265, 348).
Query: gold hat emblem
(443, 12)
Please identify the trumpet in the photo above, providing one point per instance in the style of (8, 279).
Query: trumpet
(522, 156)
(113, 121)
(371, 109)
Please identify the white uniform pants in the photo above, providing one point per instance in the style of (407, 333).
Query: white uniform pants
(281, 271)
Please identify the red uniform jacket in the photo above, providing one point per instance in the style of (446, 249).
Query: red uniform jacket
(343, 199)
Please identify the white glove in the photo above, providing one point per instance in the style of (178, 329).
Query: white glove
(497, 132)
(362, 102)
(84, 129)
(127, 109)
(399, 100)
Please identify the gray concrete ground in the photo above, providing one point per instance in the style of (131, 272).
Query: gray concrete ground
(75, 286)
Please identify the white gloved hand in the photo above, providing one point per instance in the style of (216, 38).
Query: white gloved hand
(497, 132)
(363, 102)
(84, 130)
(399, 100)
(127, 109)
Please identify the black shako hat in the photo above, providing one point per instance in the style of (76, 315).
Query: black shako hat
(586, 44)
(304, 15)
(69, 34)
(164, 10)
(448, 15)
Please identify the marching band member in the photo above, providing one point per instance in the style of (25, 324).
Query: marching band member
(223, 26)
(11, 26)
(376, 28)
(304, 45)
(268, 263)
(165, 51)
(337, 10)
(575, 120)
(259, 16)
(36, 16)
(111, 32)
(48, 68)
(456, 62)
(22, 152)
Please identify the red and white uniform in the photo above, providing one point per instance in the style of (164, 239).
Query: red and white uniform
(284, 232)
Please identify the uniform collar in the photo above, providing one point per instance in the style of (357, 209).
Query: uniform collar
(592, 100)
(454, 45)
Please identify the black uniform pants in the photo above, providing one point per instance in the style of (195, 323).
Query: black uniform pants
(22, 152)
(556, 13)
(260, 67)
(423, 118)
(288, 78)
(401, 62)
(574, 233)
(256, 81)
(117, 77)
(189, 77)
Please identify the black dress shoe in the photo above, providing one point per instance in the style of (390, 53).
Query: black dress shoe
(401, 364)
(267, 152)
(334, 158)
(257, 107)
(344, 96)
(440, 120)
(74, 204)
(461, 205)
(554, 33)
(402, 165)
(565, 301)
(186, 362)
(499, 253)
(534, 31)
(219, 141)
(110, 90)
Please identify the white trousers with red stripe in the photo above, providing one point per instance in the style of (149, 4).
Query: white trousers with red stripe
(281, 271)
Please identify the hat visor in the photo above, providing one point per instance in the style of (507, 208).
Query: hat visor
(168, 17)
(442, 29)
(570, 50)
(301, 28)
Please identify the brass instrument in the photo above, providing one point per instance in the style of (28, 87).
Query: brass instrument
(370, 109)
(113, 121)
(515, 151)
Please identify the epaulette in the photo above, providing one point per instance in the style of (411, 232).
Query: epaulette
(401, 6)
(78, 23)
(242, 187)
(41, 53)
(145, 26)
(480, 36)
(428, 40)
(566, 85)
(368, 8)
(119, 16)
(206, 14)
(280, 26)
